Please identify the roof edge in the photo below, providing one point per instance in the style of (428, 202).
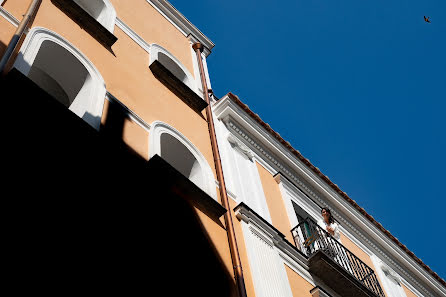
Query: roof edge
(182, 23)
(344, 195)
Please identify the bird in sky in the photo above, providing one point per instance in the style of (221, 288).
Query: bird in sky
(426, 19)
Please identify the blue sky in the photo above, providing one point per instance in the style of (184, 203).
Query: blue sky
(358, 87)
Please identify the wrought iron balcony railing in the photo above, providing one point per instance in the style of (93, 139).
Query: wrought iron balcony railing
(310, 238)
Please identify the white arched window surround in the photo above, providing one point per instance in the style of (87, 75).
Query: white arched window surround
(188, 80)
(157, 129)
(92, 102)
(105, 15)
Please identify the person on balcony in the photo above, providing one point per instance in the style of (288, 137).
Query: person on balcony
(333, 249)
(328, 224)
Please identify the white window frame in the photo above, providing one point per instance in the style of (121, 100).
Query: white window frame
(290, 193)
(155, 49)
(94, 103)
(158, 128)
(108, 18)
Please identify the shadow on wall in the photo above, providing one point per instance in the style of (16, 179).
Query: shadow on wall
(87, 215)
(2, 48)
(113, 125)
(88, 23)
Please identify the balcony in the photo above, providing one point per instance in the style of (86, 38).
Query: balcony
(333, 263)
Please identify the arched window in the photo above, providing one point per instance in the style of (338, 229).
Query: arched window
(64, 72)
(160, 54)
(102, 10)
(176, 154)
(179, 152)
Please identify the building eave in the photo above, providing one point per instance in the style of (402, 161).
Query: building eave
(182, 24)
(224, 103)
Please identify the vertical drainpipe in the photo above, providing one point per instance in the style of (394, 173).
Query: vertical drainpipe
(12, 48)
(237, 264)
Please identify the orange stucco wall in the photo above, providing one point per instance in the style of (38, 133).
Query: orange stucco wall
(6, 32)
(131, 133)
(148, 23)
(243, 253)
(125, 70)
(216, 233)
(127, 76)
(408, 292)
(17, 8)
(275, 202)
(299, 286)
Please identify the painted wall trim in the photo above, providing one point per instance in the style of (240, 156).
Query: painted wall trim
(230, 194)
(155, 49)
(157, 128)
(106, 18)
(289, 254)
(266, 265)
(128, 112)
(312, 193)
(9, 17)
(91, 105)
(181, 23)
(411, 288)
(133, 35)
(281, 160)
(149, 48)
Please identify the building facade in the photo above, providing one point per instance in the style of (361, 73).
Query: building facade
(134, 76)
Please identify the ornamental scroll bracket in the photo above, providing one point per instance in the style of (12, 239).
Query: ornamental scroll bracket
(237, 144)
(390, 273)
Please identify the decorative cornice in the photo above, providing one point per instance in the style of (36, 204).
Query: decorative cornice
(334, 191)
(389, 272)
(245, 213)
(225, 110)
(182, 23)
(240, 146)
(264, 230)
(312, 193)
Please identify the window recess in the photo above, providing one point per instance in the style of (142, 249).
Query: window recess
(169, 70)
(97, 17)
(44, 58)
(300, 213)
(182, 155)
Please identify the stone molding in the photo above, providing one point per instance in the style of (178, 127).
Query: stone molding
(259, 150)
(240, 147)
